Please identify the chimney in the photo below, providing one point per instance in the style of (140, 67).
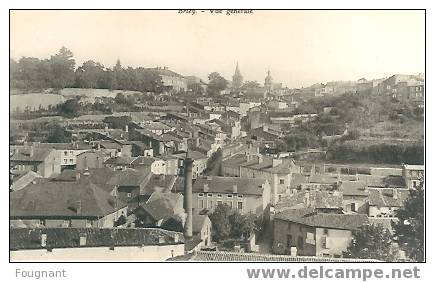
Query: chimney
(77, 176)
(43, 240)
(82, 239)
(235, 188)
(106, 127)
(79, 207)
(188, 197)
(205, 187)
(276, 162)
(395, 194)
(126, 128)
(31, 151)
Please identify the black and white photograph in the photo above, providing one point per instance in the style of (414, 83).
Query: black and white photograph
(217, 136)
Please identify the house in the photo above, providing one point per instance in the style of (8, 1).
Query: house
(355, 195)
(114, 148)
(313, 233)
(201, 227)
(384, 202)
(128, 183)
(90, 159)
(44, 161)
(94, 244)
(164, 210)
(199, 162)
(246, 195)
(413, 175)
(65, 204)
(278, 172)
(171, 79)
(68, 151)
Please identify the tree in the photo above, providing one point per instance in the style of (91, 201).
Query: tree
(242, 225)
(90, 75)
(372, 242)
(410, 227)
(221, 227)
(57, 134)
(251, 84)
(62, 68)
(217, 83)
(71, 108)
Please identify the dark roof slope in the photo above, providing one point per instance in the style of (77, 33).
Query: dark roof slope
(326, 220)
(218, 184)
(30, 238)
(81, 199)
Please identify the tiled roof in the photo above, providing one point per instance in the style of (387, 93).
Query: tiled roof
(162, 205)
(297, 179)
(385, 197)
(218, 184)
(130, 177)
(23, 180)
(323, 179)
(250, 257)
(62, 199)
(120, 160)
(312, 218)
(353, 188)
(30, 238)
(159, 183)
(314, 199)
(65, 146)
(24, 154)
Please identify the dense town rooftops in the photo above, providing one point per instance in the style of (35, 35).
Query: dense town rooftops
(314, 199)
(81, 199)
(310, 217)
(30, 238)
(218, 184)
(353, 188)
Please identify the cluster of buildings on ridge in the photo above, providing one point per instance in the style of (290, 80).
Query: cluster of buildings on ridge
(119, 193)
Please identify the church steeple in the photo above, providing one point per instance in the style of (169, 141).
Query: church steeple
(237, 77)
(268, 80)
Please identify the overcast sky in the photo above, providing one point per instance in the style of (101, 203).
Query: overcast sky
(299, 47)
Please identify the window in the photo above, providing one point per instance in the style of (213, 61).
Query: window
(281, 181)
(201, 204)
(70, 161)
(289, 241)
(325, 231)
(209, 195)
(239, 196)
(71, 152)
(201, 195)
(129, 195)
(229, 195)
(218, 203)
(65, 153)
(42, 222)
(230, 204)
(300, 242)
(210, 204)
(65, 161)
(219, 195)
(240, 205)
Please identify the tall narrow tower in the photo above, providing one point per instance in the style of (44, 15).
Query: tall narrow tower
(188, 196)
(268, 81)
(237, 78)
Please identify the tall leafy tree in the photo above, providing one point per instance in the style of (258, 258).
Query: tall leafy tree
(217, 83)
(410, 228)
(62, 68)
(372, 242)
(221, 227)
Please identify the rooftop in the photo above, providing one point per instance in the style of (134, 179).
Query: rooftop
(218, 184)
(30, 238)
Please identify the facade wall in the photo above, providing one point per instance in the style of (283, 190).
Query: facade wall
(332, 242)
(289, 234)
(134, 253)
(89, 160)
(243, 203)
